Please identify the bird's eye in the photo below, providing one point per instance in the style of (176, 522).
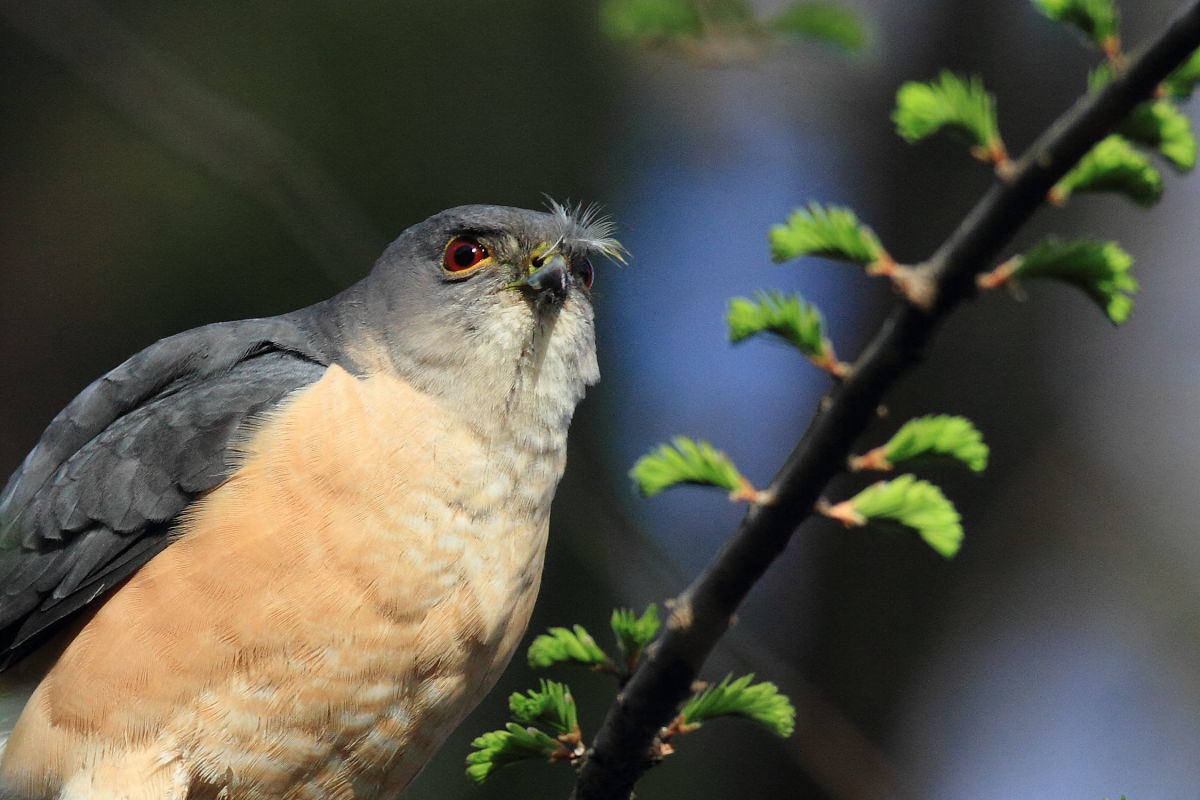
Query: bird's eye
(586, 274)
(463, 253)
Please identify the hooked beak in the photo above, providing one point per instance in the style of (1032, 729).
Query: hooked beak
(552, 276)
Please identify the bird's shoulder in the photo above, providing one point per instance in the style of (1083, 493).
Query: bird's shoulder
(96, 497)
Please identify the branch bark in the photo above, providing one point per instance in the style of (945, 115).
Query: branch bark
(702, 614)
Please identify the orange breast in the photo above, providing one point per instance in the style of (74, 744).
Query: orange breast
(326, 617)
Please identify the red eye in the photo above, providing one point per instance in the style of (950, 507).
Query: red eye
(586, 273)
(462, 254)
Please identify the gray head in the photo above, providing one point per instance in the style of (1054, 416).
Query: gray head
(487, 307)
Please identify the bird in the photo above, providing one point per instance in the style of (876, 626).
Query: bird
(282, 558)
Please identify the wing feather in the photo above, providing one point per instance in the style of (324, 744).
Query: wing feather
(97, 496)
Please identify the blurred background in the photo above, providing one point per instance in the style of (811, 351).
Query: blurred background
(164, 165)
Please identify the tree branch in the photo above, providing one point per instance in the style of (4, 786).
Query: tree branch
(702, 614)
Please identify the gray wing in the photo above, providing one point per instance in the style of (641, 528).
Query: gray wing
(95, 499)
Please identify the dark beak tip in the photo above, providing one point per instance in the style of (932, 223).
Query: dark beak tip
(552, 277)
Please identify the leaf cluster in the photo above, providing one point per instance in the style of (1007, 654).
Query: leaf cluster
(1158, 123)
(1182, 81)
(938, 436)
(828, 231)
(961, 106)
(914, 504)
(1113, 165)
(685, 461)
(634, 633)
(906, 501)
(550, 706)
(497, 749)
(788, 317)
(561, 645)
(760, 702)
(1099, 269)
(576, 646)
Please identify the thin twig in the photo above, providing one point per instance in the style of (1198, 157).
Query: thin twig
(620, 753)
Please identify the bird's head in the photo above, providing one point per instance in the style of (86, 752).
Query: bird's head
(490, 307)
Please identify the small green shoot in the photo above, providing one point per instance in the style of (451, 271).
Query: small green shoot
(1160, 125)
(498, 749)
(828, 231)
(789, 318)
(1096, 19)
(961, 106)
(1098, 269)
(1100, 77)
(933, 437)
(550, 706)
(832, 23)
(649, 21)
(686, 461)
(1157, 123)
(561, 645)
(1180, 83)
(908, 502)
(1113, 165)
(834, 232)
(634, 633)
(760, 702)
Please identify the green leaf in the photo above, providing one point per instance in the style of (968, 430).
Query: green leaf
(1160, 125)
(550, 706)
(959, 105)
(1100, 77)
(640, 21)
(1182, 81)
(633, 632)
(1096, 19)
(1113, 165)
(685, 461)
(940, 435)
(497, 749)
(788, 317)
(914, 504)
(833, 23)
(561, 645)
(1155, 123)
(1099, 269)
(827, 231)
(760, 702)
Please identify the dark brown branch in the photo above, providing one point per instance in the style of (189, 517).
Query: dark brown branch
(702, 614)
